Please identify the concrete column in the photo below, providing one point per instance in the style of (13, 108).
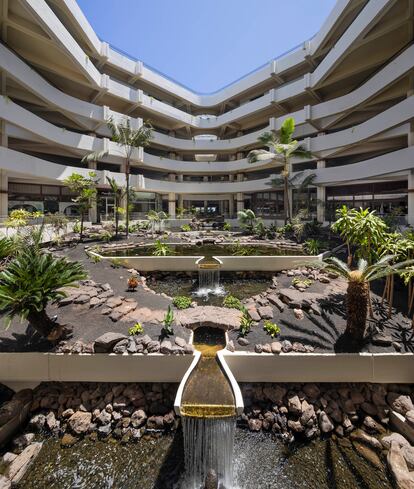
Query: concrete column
(93, 211)
(231, 206)
(171, 204)
(231, 177)
(4, 195)
(410, 216)
(240, 201)
(180, 200)
(321, 196)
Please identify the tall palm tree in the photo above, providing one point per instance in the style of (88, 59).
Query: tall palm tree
(118, 193)
(358, 288)
(129, 139)
(282, 148)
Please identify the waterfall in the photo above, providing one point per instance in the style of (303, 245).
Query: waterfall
(208, 278)
(208, 445)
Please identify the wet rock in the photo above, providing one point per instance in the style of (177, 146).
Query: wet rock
(68, 440)
(362, 437)
(255, 424)
(325, 423)
(138, 418)
(22, 441)
(79, 422)
(409, 416)
(106, 342)
(408, 454)
(369, 454)
(155, 423)
(396, 439)
(18, 468)
(211, 481)
(104, 417)
(372, 426)
(399, 469)
(37, 422)
(400, 403)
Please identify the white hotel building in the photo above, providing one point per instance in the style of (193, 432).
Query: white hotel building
(350, 89)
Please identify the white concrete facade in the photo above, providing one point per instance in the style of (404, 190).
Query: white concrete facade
(350, 90)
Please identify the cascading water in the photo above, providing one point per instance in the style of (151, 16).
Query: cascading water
(208, 446)
(209, 278)
(208, 417)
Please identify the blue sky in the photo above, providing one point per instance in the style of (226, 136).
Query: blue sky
(206, 44)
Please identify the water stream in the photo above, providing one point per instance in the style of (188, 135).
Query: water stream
(209, 279)
(208, 416)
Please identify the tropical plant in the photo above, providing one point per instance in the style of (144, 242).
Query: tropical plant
(136, 329)
(116, 262)
(156, 219)
(313, 246)
(31, 281)
(358, 288)
(19, 218)
(246, 322)
(237, 249)
(186, 228)
(247, 219)
(161, 249)
(281, 148)
(271, 329)
(6, 248)
(85, 190)
(118, 193)
(129, 140)
(182, 302)
(232, 302)
(298, 224)
(226, 226)
(168, 322)
(58, 222)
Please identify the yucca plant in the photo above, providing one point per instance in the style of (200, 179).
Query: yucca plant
(358, 288)
(282, 147)
(31, 281)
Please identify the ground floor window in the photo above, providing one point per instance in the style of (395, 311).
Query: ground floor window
(267, 204)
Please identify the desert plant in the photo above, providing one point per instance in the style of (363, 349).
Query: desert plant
(85, 190)
(246, 322)
(168, 322)
(31, 281)
(136, 329)
(313, 246)
(161, 249)
(232, 302)
(182, 302)
(282, 148)
(271, 329)
(129, 140)
(358, 288)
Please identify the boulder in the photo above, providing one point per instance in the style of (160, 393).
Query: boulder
(265, 312)
(396, 439)
(409, 416)
(325, 423)
(106, 342)
(274, 299)
(408, 454)
(5, 483)
(398, 467)
(362, 437)
(400, 403)
(294, 405)
(79, 422)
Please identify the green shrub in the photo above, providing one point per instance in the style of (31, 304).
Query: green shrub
(6, 248)
(136, 329)
(313, 246)
(271, 329)
(232, 302)
(95, 258)
(246, 322)
(182, 301)
(185, 228)
(226, 226)
(301, 282)
(161, 249)
(116, 262)
(77, 227)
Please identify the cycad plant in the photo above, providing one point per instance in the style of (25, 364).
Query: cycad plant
(282, 148)
(31, 281)
(129, 139)
(358, 289)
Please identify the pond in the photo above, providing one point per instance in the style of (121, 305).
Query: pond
(261, 462)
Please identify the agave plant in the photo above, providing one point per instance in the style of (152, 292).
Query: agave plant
(282, 148)
(31, 281)
(358, 288)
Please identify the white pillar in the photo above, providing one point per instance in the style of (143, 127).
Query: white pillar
(171, 204)
(240, 201)
(321, 196)
(4, 195)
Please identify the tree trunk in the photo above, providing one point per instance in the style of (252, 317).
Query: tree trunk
(357, 310)
(82, 217)
(116, 204)
(127, 200)
(41, 322)
(286, 195)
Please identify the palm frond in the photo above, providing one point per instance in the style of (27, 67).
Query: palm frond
(260, 155)
(96, 156)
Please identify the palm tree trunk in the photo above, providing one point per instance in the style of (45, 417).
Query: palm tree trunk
(127, 200)
(357, 310)
(286, 198)
(41, 322)
(82, 218)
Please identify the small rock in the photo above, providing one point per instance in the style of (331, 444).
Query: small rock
(258, 348)
(243, 341)
(325, 423)
(265, 312)
(68, 440)
(266, 348)
(106, 342)
(276, 347)
(286, 346)
(255, 424)
(299, 314)
(79, 422)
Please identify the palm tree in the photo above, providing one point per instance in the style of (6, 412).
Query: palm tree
(129, 139)
(358, 288)
(31, 281)
(282, 148)
(247, 219)
(118, 193)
